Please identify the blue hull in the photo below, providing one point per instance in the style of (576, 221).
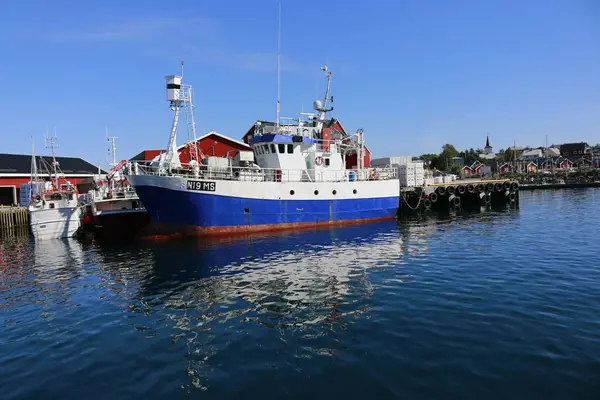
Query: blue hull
(214, 214)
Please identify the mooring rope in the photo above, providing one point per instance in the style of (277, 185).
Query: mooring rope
(403, 195)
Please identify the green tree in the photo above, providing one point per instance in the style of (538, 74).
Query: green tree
(448, 151)
(434, 159)
(511, 155)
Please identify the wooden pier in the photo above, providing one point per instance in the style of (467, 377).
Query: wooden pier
(13, 218)
(459, 195)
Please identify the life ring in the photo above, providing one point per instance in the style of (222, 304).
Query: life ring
(319, 160)
(372, 174)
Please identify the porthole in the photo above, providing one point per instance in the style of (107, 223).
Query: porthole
(316, 192)
(292, 192)
(354, 191)
(334, 192)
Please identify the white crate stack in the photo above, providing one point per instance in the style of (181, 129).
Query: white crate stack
(411, 173)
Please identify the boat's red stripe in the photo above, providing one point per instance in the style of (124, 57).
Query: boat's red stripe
(156, 231)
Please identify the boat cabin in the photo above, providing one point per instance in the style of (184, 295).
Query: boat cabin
(52, 198)
(298, 152)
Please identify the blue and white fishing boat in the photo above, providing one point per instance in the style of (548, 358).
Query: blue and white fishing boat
(294, 177)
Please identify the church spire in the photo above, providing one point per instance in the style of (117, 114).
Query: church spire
(487, 142)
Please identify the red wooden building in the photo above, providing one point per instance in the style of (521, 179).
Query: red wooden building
(332, 125)
(547, 164)
(564, 164)
(466, 171)
(585, 163)
(476, 167)
(504, 168)
(211, 144)
(532, 167)
(15, 170)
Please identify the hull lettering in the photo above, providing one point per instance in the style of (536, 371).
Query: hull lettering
(201, 186)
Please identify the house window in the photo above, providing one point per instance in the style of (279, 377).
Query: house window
(281, 148)
(273, 149)
(290, 148)
(327, 162)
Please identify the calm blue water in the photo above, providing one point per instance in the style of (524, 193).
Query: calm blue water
(502, 305)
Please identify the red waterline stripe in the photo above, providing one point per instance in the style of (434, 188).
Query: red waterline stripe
(165, 232)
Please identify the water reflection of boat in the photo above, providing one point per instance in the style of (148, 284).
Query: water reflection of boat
(308, 266)
(57, 260)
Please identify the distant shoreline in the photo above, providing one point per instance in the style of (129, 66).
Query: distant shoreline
(559, 186)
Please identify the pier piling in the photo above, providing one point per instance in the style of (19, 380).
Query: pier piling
(13, 218)
(474, 195)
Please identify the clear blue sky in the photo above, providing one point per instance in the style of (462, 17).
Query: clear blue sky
(413, 74)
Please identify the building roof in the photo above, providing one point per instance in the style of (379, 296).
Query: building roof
(142, 156)
(572, 147)
(553, 151)
(532, 153)
(213, 133)
(21, 164)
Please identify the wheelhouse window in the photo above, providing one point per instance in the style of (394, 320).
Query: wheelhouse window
(273, 150)
(327, 162)
(281, 148)
(290, 148)
(267, 150)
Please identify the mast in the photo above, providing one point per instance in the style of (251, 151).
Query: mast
(113, 150)
(515, 155)
(278, 63)
(324, 108)
(51, 140)
(179, 96)
(34, 173)
(546, 163)
(113, 147)
(191, 120)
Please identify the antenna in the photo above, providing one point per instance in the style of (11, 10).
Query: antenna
(182, 69)
(278, 61)
(319, 106)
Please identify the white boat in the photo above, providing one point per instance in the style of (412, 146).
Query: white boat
(113, 207)
(296, 176)
(54, 210)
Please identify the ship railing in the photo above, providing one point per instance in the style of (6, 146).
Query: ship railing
(254, 174)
